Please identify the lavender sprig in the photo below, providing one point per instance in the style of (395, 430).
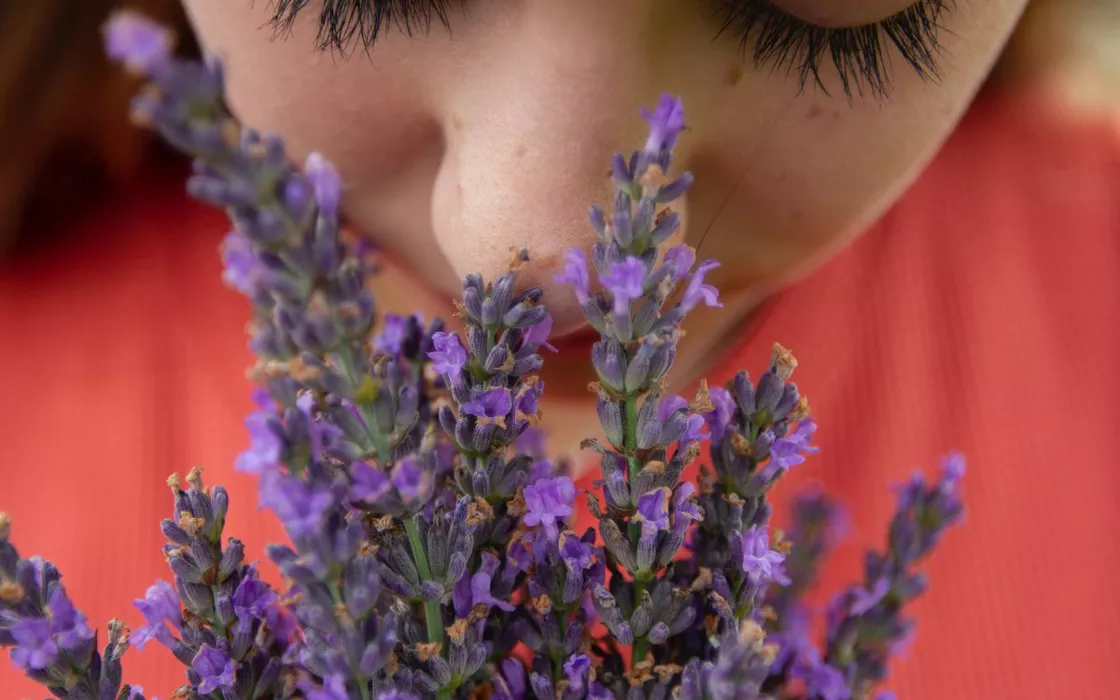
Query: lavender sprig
(866, 624)
(49, 639)
(218, 618)
(649, 512)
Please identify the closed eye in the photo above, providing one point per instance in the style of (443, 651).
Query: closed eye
(771, 36)
(344, 23)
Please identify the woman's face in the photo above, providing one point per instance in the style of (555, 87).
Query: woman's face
(459, 143)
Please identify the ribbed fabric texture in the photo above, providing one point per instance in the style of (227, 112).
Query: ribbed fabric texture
(981, 314)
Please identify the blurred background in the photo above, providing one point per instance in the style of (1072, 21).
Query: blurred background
(63, 114)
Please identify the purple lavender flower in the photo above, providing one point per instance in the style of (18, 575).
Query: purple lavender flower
(449, 357)
(265, 446)
(684, 508)
(532, 442)
(252, 597)
(320, 432)
(324, 180)
(952, 468)
(574, 552)
(698, 292)
(681, 258)
(577, 669)
(760, 563)
(241, 269)
(668, 405)
(35, 648)
(368, 483)
(388, 341)
(136, 41)
(625, 282)
(490, 407)
(694, 432)
(653, 510)
(480, 593)
(824, 682)
(159, 606)
(863, 600)
(410, 480)
(214, 668)
(576, 274)
(723, 411)
(300, 506)
(68, 625)
(791, 450)
(537, 335)
(666, 123)
(549, 501)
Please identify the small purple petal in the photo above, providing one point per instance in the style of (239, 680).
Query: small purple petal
(575, 273)
(325, 181)
(141, 44)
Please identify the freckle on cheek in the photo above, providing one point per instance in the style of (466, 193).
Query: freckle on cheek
(456, 122)
(815, 111)
(521, 151)
(733, 75)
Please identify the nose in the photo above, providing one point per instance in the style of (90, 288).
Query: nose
(529, 126)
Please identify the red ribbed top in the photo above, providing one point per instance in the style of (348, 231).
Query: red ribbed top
(981, 314)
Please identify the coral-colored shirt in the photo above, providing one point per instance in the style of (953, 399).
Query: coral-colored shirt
(981, 314)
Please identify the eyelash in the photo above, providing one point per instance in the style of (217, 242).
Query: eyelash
(341, 22)
(779, 39)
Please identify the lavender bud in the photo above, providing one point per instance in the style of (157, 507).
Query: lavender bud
(769, 391)
(175, 533)
(617, 544)
(184, 568)
(637, 374)
(440, 669)
(527, 365)
(476, 342)
(647, 549)
(743, 391)
(598, 221)
(665, 225)
(609, 363)
(456, 567)
(661, 362)
(223, 604)
(610, 417)
(496, 359)
(675, 189)
(219, 502)
(617, 488)
(196, 597)
(425, 682)
(361, 586)
(472, 304)
(431, 590)
(642, 617)
(649, 425)
(231, 558)
(542, 687)
(659, 633)
(683, 620)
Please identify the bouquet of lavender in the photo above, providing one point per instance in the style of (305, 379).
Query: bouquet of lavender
(430, 549)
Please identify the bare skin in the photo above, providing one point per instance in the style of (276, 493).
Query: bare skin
(455, 148)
